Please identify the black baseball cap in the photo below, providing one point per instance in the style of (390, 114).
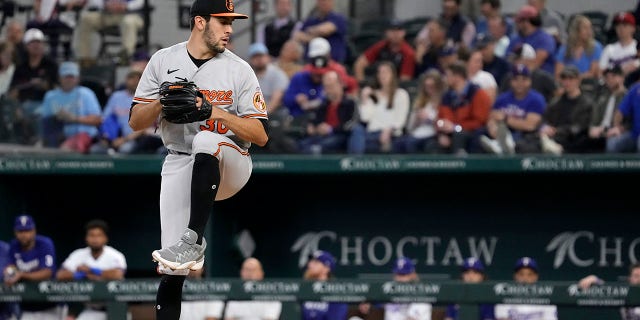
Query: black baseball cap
(395, 24)
(215, 8)
(483, 40)
(615, 69)
(570, 72)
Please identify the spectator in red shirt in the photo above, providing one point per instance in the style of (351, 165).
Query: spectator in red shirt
(393, 48)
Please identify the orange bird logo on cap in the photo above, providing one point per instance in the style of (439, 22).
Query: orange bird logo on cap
(230, 5)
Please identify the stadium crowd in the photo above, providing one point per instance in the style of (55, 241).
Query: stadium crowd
(532, 81)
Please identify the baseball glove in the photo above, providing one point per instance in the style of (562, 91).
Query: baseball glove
(178, 101)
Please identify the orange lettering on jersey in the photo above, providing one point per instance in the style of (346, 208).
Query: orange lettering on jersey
(218, 97)
(227, 96)
(214, 126)
(221, 128)
(208, 126)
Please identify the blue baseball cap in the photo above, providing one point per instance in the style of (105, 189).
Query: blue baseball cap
(404, 266)
(472, 264)
(520, 70)
(257, 48)
(447, 51)
(24, 223)
(69, 68)
(325, 258)
(526, 262)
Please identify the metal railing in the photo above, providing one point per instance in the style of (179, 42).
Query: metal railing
(118, 293)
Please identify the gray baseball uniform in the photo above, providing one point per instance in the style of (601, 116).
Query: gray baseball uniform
(227, 82)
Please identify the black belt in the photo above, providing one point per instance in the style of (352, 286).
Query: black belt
(171, 151)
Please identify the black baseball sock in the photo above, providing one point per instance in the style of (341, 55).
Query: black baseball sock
(169, 297)
(205, 181)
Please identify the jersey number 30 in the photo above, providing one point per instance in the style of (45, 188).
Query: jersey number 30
(214, 126)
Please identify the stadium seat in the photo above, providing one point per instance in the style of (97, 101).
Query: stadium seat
(363, 40)
(411, 86)
(413, 27)
(8, 112)
(375, 25)
(110, 36)
(100, 79)
(599, 18)
(352, 27)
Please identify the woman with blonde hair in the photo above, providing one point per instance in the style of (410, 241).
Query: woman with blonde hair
(420, 135)
(582, 50)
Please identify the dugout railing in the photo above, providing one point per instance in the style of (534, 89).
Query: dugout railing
(117, 294)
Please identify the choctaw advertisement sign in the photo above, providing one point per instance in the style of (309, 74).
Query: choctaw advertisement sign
(570, 250)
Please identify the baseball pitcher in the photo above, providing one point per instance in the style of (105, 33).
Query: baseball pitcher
(211, 110)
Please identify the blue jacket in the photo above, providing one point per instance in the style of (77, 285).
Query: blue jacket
(301, 82)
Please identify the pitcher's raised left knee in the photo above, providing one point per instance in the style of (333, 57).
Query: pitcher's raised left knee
(207, 142)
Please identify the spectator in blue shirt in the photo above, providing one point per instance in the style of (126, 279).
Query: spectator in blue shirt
(7, 310)
(625, 138)
(4, 257)
(490, 9)
(32, 258)
(116, 134)
(70, 113)
(319, 268)
(305, 93)
(327, 23)
(528, 25)
(515, 117)
(582, 50)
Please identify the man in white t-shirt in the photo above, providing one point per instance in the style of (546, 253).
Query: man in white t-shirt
(526, 272)
(252, 310)
(96, 262)
(623, 52)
